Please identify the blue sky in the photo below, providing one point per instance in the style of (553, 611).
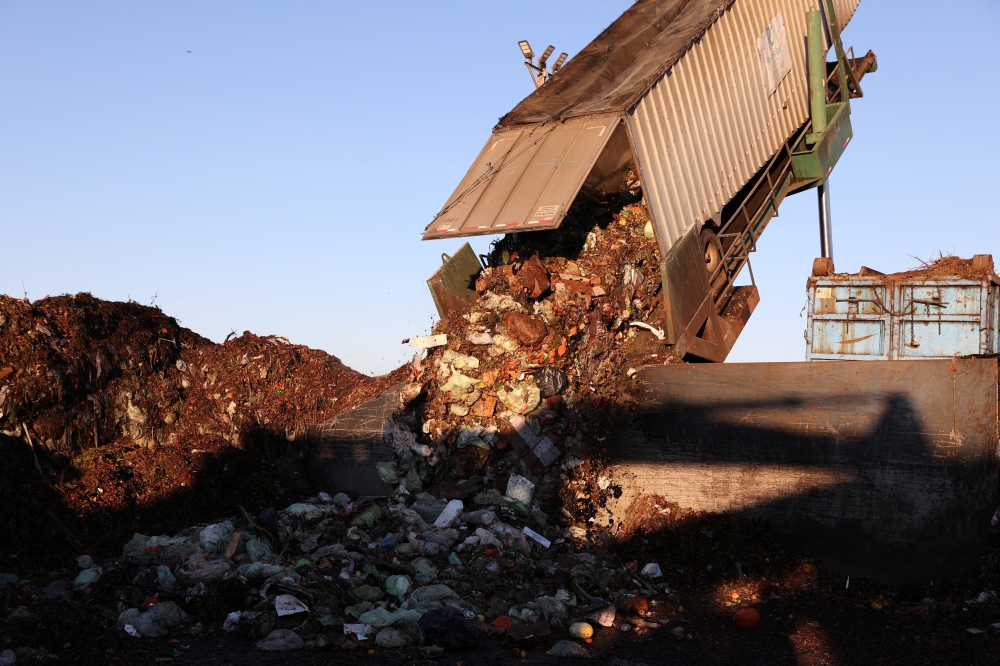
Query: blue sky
(270, 166)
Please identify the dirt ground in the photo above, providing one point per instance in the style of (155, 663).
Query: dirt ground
(807, 617)
(137, 424)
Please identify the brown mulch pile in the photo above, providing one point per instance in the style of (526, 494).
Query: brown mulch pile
(943, 267)
(536, 370)
(116, 418)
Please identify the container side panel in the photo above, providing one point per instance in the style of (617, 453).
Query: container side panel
(857, 338)
(851, 299)
(919, 319)
(934, 339)
(937, 298)
(651, 135)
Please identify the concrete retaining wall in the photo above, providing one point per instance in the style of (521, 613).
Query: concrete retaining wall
(886, 469)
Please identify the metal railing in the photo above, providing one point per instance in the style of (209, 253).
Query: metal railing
(739, 233)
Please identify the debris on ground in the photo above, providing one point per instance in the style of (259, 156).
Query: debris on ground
(334, 572)
(470, 543)
(511, 410)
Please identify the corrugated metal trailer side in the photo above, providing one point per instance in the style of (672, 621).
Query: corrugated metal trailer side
(703, 131)
(701, 119)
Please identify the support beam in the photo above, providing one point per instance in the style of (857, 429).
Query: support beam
(817, 76)
(825, 230)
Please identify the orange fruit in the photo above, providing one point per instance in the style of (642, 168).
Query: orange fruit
(637, 605)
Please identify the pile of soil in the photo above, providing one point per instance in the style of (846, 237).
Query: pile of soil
(945, 266)
(538, 367)
(115, 418)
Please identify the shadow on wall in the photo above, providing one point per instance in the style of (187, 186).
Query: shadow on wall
(881, 469)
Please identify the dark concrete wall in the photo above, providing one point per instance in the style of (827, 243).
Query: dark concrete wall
(885, 469)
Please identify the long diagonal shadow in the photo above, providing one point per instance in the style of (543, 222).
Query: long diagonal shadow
(883, 470)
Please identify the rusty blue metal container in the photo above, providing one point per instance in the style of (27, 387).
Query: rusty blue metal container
(871, 317)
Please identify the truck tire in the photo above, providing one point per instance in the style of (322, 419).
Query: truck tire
(713, 250)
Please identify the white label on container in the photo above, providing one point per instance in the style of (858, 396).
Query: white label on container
(824, 292)
(774, 54)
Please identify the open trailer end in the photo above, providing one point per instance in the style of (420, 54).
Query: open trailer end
(723, 108)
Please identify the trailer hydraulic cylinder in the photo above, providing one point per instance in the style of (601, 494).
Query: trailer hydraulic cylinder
(817, 73)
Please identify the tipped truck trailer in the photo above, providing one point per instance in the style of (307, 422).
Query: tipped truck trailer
(723, 106)
(880, 468)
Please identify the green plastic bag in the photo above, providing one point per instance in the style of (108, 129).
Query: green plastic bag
(368, 593)
(426, 571)
(398, 586)
(368, 517)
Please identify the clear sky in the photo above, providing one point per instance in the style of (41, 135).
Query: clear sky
(270, 166)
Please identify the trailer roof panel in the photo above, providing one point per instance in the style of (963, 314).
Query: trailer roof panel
(622, 63)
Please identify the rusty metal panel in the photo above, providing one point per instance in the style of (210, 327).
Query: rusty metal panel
(885, 469)
(685, 285)
(453, 285)
(849, 339)
(701, 132)
(943, 318)
(855, 318)
(841, 298)
(927, 339)
(849, 321)
(524, 179)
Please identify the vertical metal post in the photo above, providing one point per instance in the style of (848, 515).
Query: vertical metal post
(825, 232)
